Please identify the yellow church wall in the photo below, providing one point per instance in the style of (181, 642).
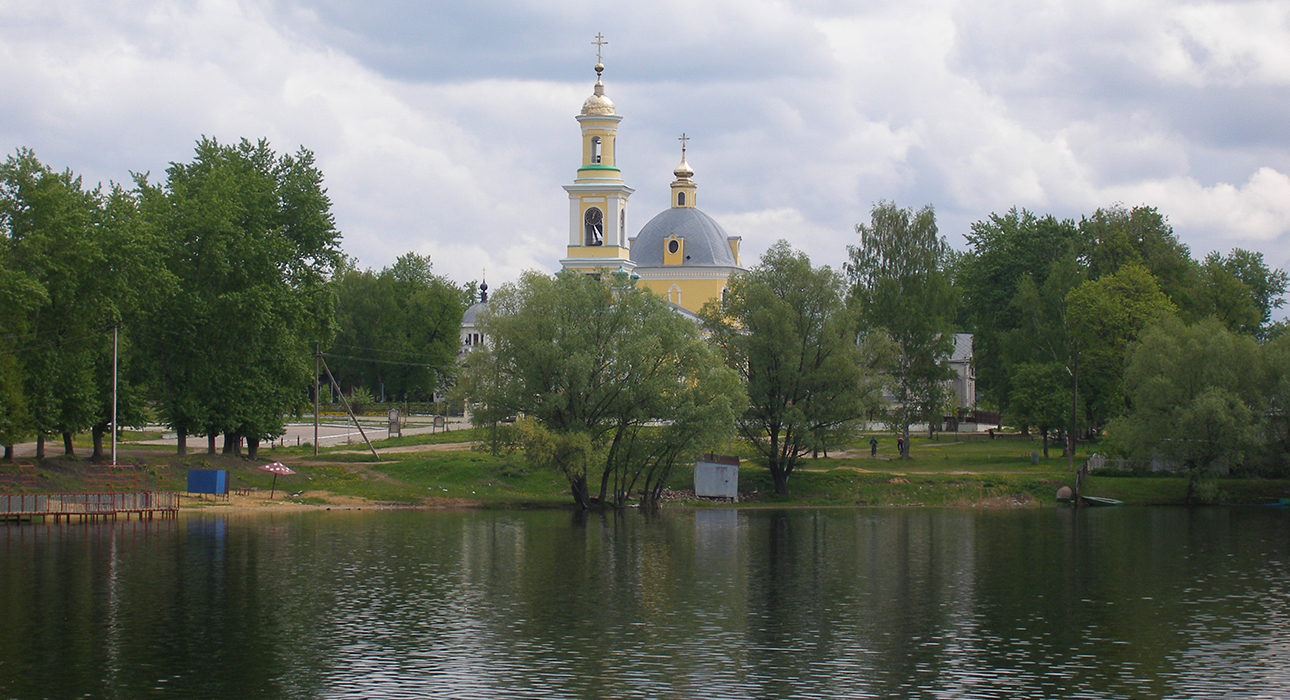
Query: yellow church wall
(606, 146)
(694, 293)
(598, 251)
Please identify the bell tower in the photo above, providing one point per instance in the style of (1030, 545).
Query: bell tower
(598, 195)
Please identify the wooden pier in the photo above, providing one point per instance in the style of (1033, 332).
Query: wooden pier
(88, 506)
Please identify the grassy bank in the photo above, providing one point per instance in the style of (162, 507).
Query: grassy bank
(448, 469)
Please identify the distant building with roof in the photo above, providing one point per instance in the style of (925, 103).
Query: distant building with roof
(471, 335)
(964, 381)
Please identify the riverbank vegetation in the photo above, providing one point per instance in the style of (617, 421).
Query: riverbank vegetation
(203, 300)
(460, 469)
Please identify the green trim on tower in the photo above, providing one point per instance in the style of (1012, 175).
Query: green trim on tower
(599, 167)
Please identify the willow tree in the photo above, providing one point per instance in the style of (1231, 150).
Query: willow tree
(613, 383)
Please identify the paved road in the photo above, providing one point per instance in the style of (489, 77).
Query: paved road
(297, 433)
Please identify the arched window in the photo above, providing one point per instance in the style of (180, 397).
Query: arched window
(674, 295)
(680, 199)
(622, 225)
(594, 226)
(595, 149)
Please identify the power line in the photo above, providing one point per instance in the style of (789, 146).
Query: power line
(384, 362)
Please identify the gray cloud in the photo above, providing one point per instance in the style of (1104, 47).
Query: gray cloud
(447, 128)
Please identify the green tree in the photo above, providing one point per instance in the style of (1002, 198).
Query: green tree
(609, 376)
(1040, 397)
(49, 229)
(1240, 290)
(785, 327)
(1005, 253)
(1194, 396)
(901, 285)
(251, 243)
(397, 330)
(1116, 237)
(1106, 315)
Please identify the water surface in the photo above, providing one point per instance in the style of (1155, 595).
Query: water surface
(917, 603)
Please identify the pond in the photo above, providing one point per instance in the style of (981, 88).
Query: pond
(706, 603)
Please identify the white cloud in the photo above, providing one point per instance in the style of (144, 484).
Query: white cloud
(1226, 43)
(1223, 215)
(451, 135)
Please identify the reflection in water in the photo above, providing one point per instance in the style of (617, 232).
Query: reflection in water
(703, 603)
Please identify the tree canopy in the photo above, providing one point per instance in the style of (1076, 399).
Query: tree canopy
(251, 243)
(397, 329)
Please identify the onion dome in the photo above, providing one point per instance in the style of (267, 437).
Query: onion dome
(598, 104)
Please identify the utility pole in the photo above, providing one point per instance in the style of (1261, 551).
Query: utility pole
(348, 409)
(1070, 437)
(115, 330)
(317, 358)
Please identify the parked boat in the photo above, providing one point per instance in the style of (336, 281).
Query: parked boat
(1095, 501)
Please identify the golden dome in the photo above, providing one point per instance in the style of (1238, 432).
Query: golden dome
(598, 104)
(683, 171)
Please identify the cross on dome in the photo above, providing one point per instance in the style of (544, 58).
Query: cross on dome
(599, 42)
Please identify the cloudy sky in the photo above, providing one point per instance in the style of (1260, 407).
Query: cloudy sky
(447, 128)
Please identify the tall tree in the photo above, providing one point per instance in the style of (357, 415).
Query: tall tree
(1106, 316)
(397, 330)
(609, 377)
(1005, 251)
(252, 243)
(785, 327)
(901, 284)
(49, 220)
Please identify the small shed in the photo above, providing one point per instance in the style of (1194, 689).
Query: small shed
(716, 476)
(213, 481)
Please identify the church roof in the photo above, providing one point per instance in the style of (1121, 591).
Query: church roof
(472, 313)
(706, 243)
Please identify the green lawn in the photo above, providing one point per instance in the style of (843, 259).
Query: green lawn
(941, 472)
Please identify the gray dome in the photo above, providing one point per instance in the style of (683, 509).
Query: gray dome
(706, 243)
(471, 316)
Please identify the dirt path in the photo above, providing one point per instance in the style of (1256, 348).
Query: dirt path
(440, 447)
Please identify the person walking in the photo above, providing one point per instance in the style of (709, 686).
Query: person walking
(873, 447)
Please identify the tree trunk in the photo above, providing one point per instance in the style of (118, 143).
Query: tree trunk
(237, 444)
(181, 440)
(40, 446)
(1045, 444)
(780, 475)
(97, 432)
(581, 494)
(252, 448)
(904, 450)
(228, 444)
(8, 452)
(68, 448)
(604, 484)
(210, 443)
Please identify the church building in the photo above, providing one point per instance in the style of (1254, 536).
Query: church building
(682, 254)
